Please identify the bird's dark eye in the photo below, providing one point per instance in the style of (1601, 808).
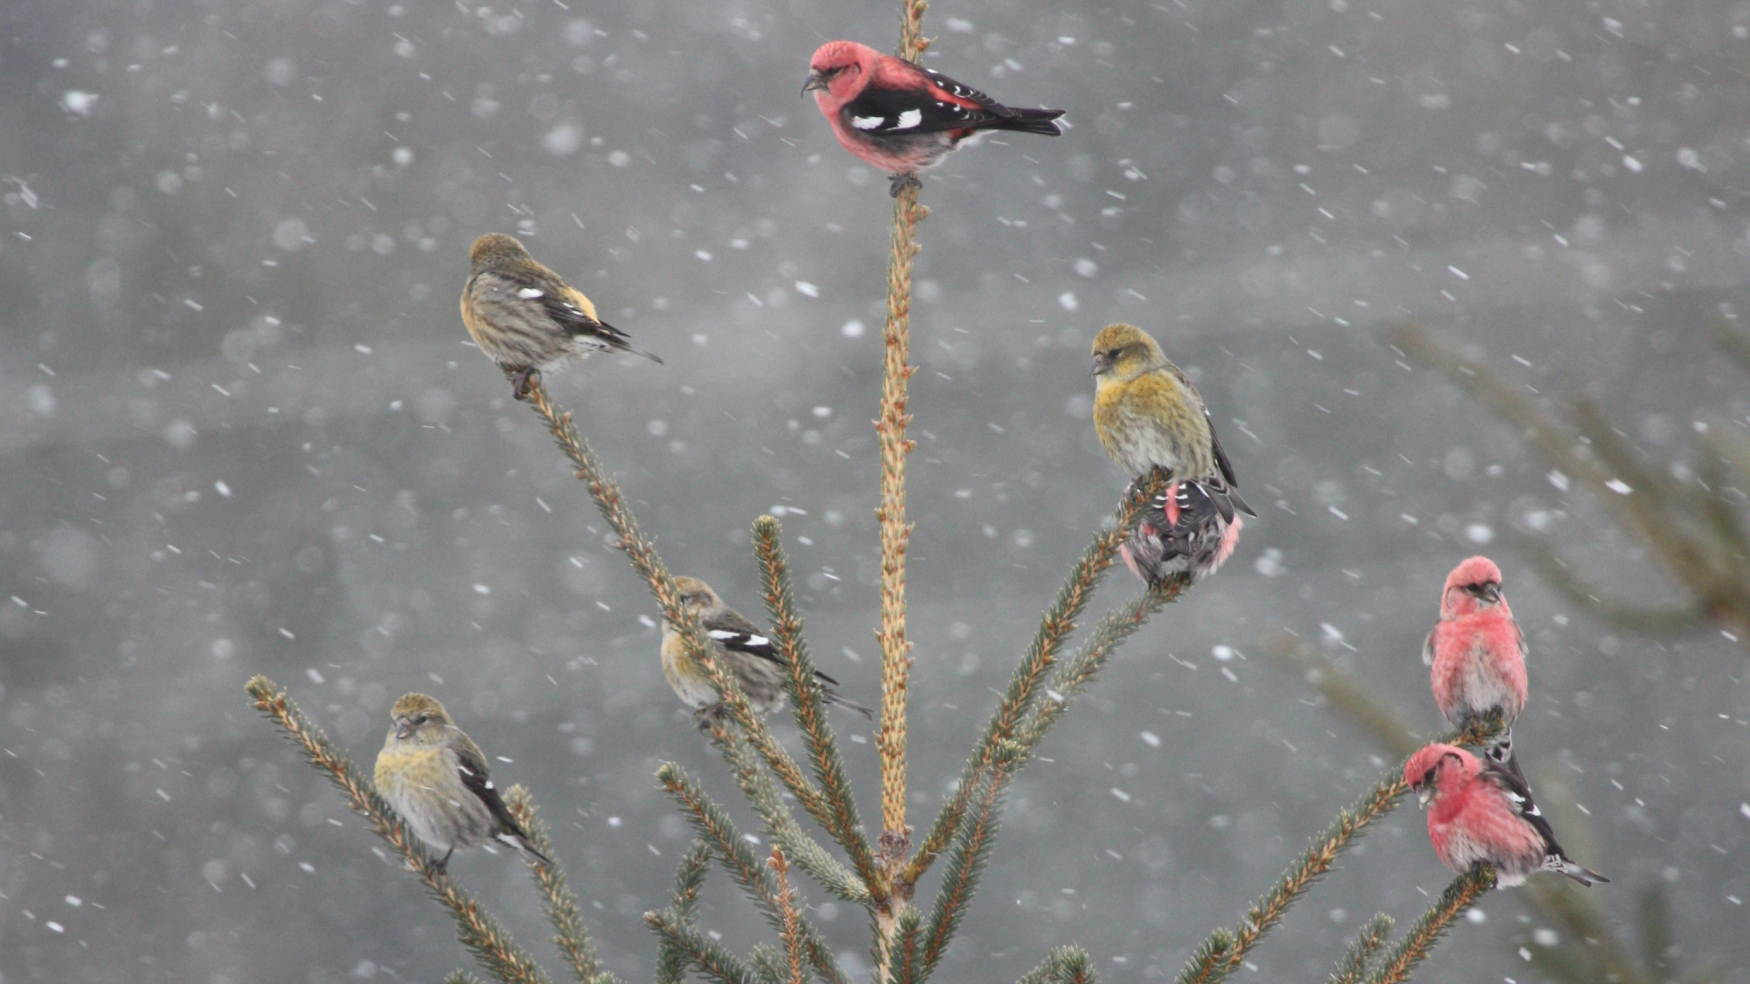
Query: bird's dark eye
(1427, 777)
(1114, 353)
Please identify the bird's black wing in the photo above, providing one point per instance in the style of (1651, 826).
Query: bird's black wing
(961, 90)
(1226, 466)
(900, 112)
(737, 634)
(471, 767)
(1519, 794)
(566, 313)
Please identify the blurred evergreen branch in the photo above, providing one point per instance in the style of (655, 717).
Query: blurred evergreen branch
(1347, 694)
(1694, 531)
(1734, 341)
(479, 932)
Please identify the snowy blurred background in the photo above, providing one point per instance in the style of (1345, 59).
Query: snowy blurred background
(243, 433)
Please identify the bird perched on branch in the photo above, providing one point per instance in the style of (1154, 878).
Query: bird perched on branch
(902, 118)
(436, 778)
(1148, 416)
(741, 648)
(526, 318)
(1478, 811)
(1477, 652)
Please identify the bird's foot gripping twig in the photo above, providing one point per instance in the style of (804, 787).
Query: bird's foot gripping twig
(900, 182)
(712, 716)
(523, 382)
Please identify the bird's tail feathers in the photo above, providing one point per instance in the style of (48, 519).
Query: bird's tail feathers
(834, 697)
(519, 841)
(1500, 751)
(1031, 121)
(1579, 872)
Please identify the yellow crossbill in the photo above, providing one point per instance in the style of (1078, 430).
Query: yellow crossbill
(526, 318)
(742, 649)
(1148, 415)
(436, 778)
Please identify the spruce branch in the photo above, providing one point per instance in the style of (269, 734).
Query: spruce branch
(556, 897)
(1395, 967)
(716, 828)
(496, 951)
(966, 860)
(1346, 693)
(1074, 676)
(1056, 625)
(689, 878)
(1353, 965)
(1065, 965)
(780, 823)
(460, 976)
(768, 965)
(1734, 341)
(824, 760)
(1209, 961)
(792, 929)
(699, 950)
(1642, 620)
(1317, 859)
(906, 965)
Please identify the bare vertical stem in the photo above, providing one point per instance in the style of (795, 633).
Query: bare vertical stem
(895, 842)
(895, 531)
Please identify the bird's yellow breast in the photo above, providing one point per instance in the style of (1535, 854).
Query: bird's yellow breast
(407, 762)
